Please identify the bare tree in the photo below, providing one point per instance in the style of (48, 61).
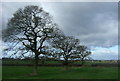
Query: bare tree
(66, 45)
(27, 31)
(82, 53)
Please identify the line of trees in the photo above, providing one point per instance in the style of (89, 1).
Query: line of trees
(32, 31)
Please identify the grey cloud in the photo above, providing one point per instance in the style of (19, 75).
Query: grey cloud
(95, 24)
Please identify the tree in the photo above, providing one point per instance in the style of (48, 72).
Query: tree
(81, 52)
(53, 53)
(65, 45)
(27, 31)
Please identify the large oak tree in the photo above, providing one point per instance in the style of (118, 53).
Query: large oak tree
(28, 29)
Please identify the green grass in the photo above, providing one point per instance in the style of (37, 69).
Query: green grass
(0, 72)
(28, 62)
(20, 72)
(53, 62)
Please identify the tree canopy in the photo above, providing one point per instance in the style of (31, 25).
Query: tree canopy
(28, 29)
(31, 27)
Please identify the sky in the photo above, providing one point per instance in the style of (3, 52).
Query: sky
(94, 23)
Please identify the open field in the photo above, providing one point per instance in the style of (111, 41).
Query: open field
(88, 71)
(17, 61)
(20, 72)
(13, 61)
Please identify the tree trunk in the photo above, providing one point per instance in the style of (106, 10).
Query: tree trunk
(36, 63)
(35, 66)
(66, 64)
(82, 61)
(43, 61)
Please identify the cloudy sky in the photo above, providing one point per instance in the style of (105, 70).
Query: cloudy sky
(94, 23)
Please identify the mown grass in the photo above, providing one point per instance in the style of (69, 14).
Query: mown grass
(20, 72)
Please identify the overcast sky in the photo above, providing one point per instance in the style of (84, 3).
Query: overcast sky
(94, 23)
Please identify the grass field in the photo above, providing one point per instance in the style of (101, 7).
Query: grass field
(20, 72)
(27, 62)
(53, 62)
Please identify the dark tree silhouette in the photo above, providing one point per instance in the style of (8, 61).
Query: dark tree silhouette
(27, 31)
(82, 53)
(65, 45)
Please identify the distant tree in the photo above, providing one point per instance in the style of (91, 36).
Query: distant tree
(82, 53)
(50, 53)
(27, 31)
(65, 45)
(53, 53)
